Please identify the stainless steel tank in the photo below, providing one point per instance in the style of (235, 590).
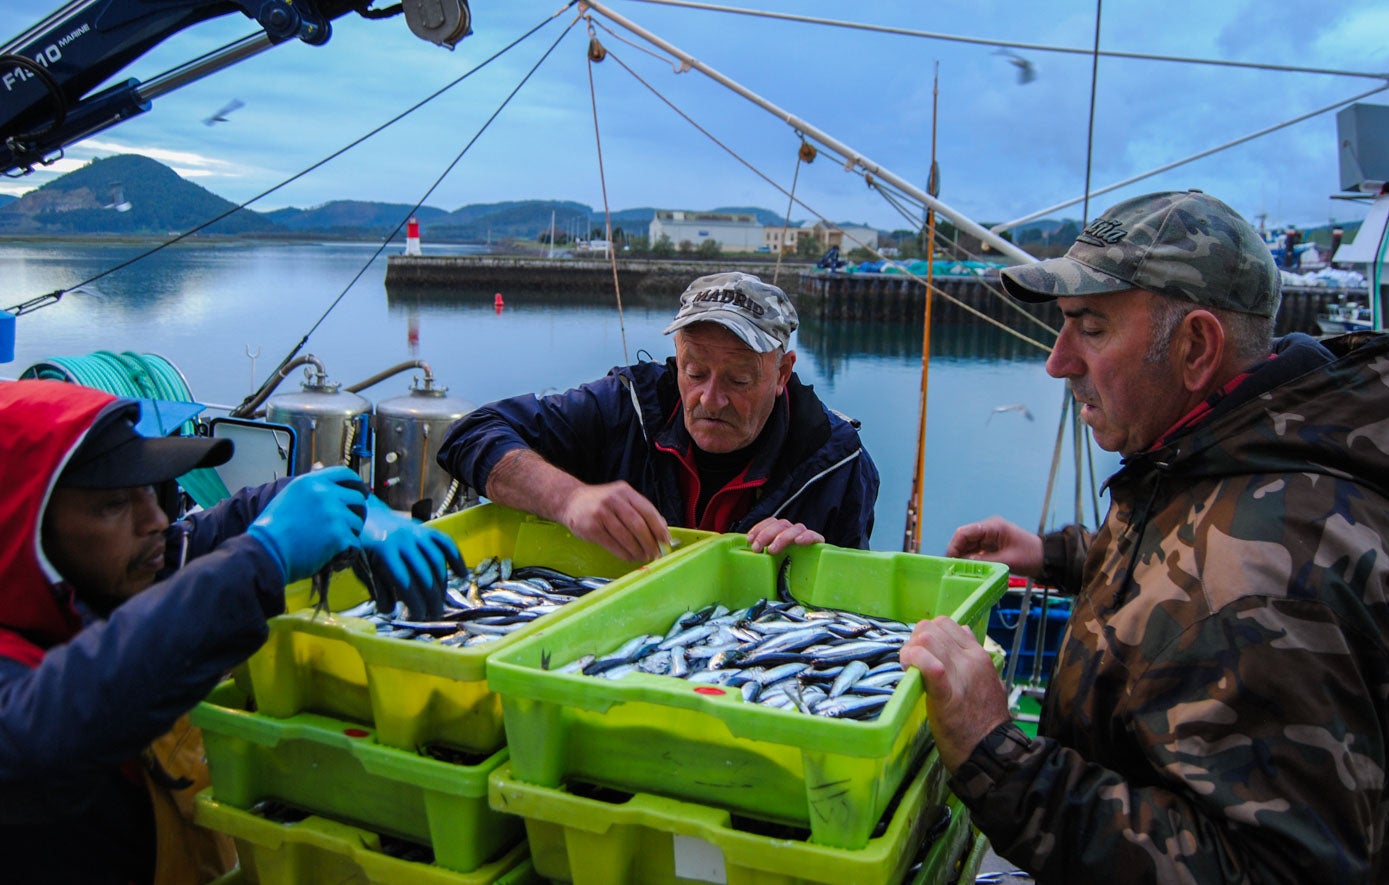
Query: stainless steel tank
(408, 432)
(329, 424)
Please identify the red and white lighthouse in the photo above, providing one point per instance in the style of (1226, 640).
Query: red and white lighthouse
(412, 236)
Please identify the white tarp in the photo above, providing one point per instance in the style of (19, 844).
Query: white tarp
(1362, 250)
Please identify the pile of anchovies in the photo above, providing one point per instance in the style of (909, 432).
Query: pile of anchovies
(491, 601)
(783, 653)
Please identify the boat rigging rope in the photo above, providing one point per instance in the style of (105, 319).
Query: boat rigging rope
(274, 376)
(804, 154)
(57, 294)
(1090, 129)
(596, 53)
(1012, 669)
(1033, 47)
(731, 152)
(1007, 302)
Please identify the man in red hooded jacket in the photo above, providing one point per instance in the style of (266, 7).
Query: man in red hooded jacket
(114, 624)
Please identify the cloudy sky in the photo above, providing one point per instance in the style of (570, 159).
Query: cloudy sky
(1005, 148)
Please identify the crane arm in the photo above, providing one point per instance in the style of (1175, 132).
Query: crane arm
(47, 73)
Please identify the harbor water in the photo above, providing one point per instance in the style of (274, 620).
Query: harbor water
(226, 314)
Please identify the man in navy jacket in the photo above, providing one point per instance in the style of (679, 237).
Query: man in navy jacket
(723, 437)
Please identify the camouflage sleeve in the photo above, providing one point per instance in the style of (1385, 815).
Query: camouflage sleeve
(1063, 558)
(1262, 755)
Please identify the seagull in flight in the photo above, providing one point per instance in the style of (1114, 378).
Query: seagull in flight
(1015, 407)
(1026, 71)
(118, 200)
(221, 115)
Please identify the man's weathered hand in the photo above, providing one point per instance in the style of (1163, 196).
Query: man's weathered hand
(998, 540)
(619, 518)
(965, 698)
(775, 535)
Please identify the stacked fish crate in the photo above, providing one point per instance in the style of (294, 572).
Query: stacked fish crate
(647, 778)
(343, 753)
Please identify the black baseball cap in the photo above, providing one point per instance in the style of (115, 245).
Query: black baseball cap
(114, 455)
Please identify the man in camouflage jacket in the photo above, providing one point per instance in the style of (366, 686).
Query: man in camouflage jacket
(1220, 703)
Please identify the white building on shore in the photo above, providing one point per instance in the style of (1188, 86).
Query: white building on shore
(741, 232)
(783, 238)
(846, 237)
(734, 232)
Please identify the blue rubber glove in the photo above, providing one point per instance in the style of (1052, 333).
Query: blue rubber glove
(314, 518)
(409, 561)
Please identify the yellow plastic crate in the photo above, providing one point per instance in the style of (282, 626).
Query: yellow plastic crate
(946, 859)
(337, 770)
(318, 851)
(656, 840)
(417, 693)
(656, 734)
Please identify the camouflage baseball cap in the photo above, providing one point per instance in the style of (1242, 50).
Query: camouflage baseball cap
(1180, 243)
(758, 313)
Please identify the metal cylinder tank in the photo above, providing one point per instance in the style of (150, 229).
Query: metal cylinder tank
(328, 424)
(409, 430)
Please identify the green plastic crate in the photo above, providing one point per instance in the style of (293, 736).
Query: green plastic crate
(656, 840)
(657, 734)
(945, 859)
(318, 851)
(974, 858)
(419, 693)
(338, 770)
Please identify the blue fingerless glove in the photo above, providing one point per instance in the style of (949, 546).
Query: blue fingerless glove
(409, 561)
(314, 518)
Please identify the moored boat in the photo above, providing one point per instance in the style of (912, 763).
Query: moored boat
(1340, 317)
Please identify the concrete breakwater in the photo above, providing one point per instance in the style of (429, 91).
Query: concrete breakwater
(840, 296)
(489, 273)
(827, 296)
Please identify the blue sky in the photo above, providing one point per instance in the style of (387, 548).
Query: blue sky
(1005, 148)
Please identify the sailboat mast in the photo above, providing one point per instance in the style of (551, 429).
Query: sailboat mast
(961, 221)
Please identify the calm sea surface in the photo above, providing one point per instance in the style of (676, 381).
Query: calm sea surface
(225, 315)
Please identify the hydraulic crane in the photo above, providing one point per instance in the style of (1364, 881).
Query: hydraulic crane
(48, 73)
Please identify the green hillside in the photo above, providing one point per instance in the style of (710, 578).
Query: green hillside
(134, 195)
(354, 216)
(125, 194)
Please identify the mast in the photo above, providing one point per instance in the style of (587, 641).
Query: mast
(911, 543)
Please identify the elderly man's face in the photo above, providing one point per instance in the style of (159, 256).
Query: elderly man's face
(726, 389)
(108, 543)
(1126, 400)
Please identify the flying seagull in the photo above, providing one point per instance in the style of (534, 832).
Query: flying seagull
(118, 200)
(221, 116)
(1015, 407)
(1026, 72)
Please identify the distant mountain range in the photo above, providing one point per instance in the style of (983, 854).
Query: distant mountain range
(135, 195)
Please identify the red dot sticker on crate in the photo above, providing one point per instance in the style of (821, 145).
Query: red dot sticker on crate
(709, 689)
(356, 732)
